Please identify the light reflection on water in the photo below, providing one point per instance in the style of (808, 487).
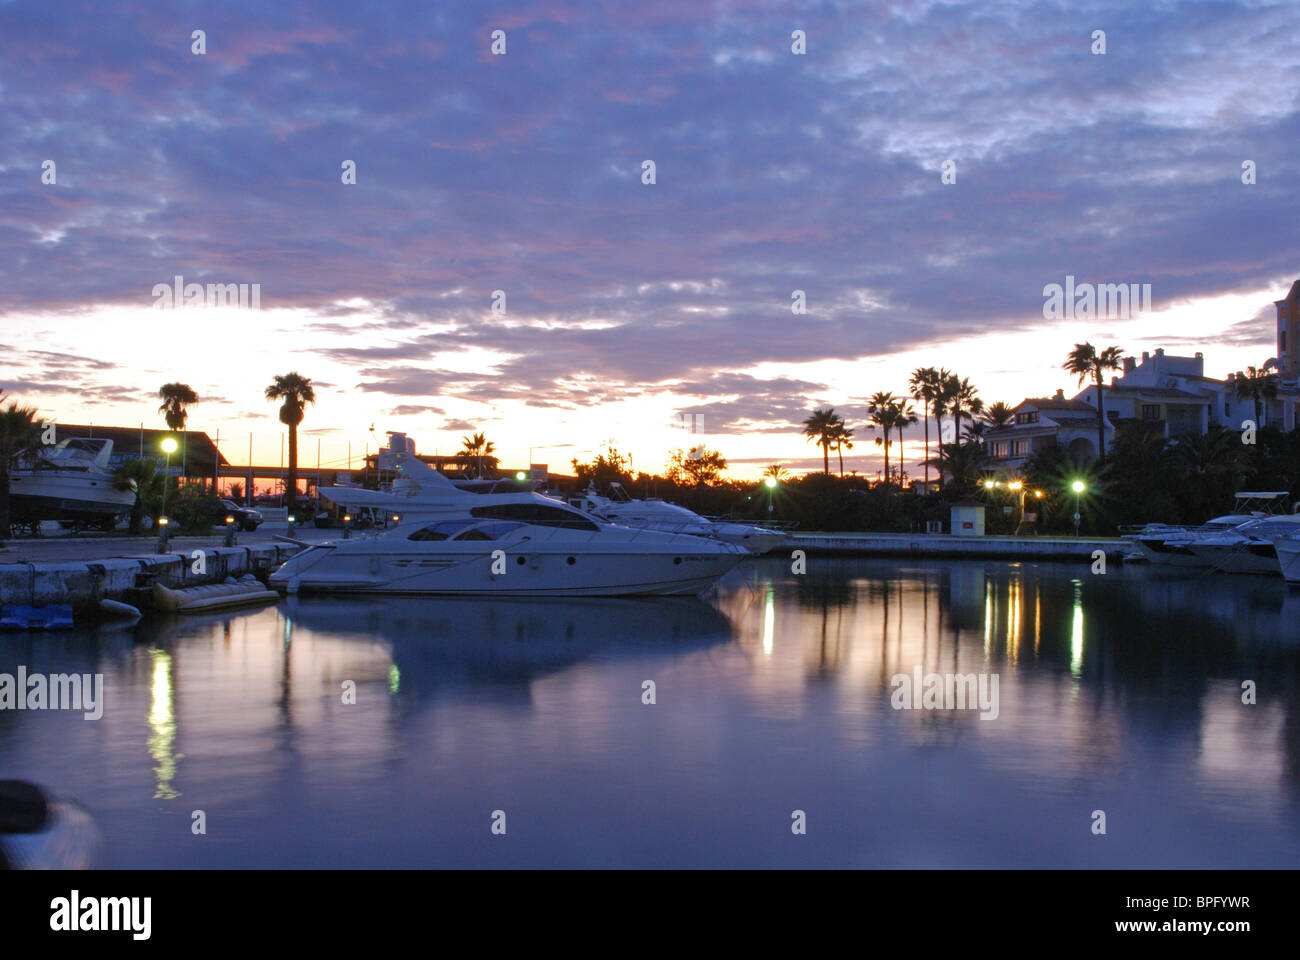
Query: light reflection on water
(1119, 692)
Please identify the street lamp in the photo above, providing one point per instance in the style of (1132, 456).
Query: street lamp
(1078, 486)
(169, 447)
(770, 483)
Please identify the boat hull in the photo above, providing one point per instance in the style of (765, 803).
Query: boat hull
(540, 574)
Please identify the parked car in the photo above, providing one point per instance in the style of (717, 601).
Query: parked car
(246, 517)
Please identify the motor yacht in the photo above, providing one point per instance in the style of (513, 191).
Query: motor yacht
(655, 514)
(1247, 548)
(517, 545)
(1288, 558)
(71, 482)
(1169, 544)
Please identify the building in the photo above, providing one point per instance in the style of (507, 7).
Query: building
(196, 455)
(1041, 422)
(1166, 394)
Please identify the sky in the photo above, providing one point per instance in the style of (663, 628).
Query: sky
(630, 308)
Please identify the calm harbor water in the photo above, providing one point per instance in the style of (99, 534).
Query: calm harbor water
(1119, 693)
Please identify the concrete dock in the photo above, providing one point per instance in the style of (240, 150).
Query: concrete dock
(83, 582)
(946, 545)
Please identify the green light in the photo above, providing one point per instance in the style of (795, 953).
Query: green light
(1078, 486)
(770, 482)
(169, 445)
(521, 475)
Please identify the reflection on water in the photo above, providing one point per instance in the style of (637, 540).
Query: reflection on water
(1119, 692)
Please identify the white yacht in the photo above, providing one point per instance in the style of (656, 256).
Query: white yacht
(1288, 558)
(1247, 548)
(518, 545)
(1171, 545)
(655, 514)
(71, 482)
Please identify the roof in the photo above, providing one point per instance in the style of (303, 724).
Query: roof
(134, 442)
(1054, 403)
(1167, 393)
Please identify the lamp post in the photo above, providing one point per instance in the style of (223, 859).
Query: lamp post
(1078, 486)
(770, 483)
(168, 448)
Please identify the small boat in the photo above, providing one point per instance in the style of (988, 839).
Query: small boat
(206, 598)
(71, 482)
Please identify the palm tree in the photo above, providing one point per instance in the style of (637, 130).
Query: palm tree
(143, 477)
(175, 398)
(820, 427)
(20, 434)
(925, 385)
(1258, 385)
(964, 399)
(998, 415)
(477, 446)
(842, 437)
(905, 418)
(884, 411)
(1085, 361)
(296, 392)
(776, 472)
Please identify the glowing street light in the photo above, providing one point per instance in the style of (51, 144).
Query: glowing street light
(1078, 486)
(770, 483)
(169, 447)
(521, 475)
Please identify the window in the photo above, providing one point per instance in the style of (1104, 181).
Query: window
(1112, 415)
(440, 531)
(1150, 411)
(1020, 448)
(492, 530)
(1000, 448)
(537, 514)
(1030, 416)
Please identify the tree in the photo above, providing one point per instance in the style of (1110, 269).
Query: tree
(820, 428)
(998, 415)
(1086, 362)
(608, 467)
(296, 392)
(176, 397)
(20, 435)
(905, 418)
(701, 466)
(965, 460)
(143, 477)
(884, 411)
(1257, 385)
(963, 399)
(842, 438)
(776, 472)
(926, 384)
(478, 446)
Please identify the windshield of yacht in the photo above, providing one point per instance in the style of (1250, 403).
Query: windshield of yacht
(443, 530)
(537, 514)
(1269, 526)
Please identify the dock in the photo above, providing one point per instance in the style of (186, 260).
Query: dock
(82, 583)
(939, 545)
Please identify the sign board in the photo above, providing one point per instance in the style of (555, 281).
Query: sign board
(537, 471)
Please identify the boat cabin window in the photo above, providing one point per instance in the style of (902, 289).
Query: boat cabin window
(537, 514)
(440, 531)
(492, 530)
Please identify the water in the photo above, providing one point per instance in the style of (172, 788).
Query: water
(1119, 693)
